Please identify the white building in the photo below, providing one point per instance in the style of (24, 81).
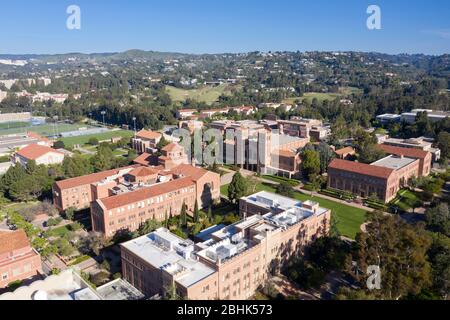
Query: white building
(40, 154)
(433, 116)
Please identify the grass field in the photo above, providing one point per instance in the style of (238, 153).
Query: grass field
(44, 130)
(59, 231)
(406, 200)
(205, 94)
(70, 141)
(349, 219)
(309, 96)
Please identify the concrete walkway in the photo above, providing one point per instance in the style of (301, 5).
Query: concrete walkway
(318, 195)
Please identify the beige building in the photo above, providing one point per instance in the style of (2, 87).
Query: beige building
(191, 125)
(298, 127)
(255, 146)
(172, 156)
(40, 154)
(146, 141)
(234, 261)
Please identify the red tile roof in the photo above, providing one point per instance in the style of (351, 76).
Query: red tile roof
(146, 134)
(90, 178)
(35, 151)
(144, 171)
(406, 152)
(285, 153)
(143, 159)
(13, 240)
(187, 170)
(171, 146)
(145, 193)
(361, 168)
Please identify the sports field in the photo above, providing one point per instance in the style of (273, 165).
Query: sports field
(44, 130)
(70, 141)
(206, 94)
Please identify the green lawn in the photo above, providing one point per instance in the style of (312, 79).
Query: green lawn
(406, 200)
(120, 152)
(44, 130)
(349, 219)
(59, 232)
(309, 96)
(70, 141)
(205, 94)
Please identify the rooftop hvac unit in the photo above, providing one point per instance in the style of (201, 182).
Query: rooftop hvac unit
(236, 238)
(212, 255)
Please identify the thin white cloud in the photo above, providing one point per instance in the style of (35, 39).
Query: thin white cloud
(441, 33)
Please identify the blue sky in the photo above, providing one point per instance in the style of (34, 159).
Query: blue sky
(212, 26)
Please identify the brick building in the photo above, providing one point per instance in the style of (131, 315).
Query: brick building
(384, 177)
(425, 158)
(172, 155)
(146, 141)
(128, 204)
(234, 261)
(79, 192)
(18, 260)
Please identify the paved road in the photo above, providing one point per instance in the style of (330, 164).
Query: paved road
(85, 151)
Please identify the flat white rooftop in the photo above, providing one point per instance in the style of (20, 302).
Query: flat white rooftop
(270, 200)
(166, 251)
(388, 116)
(282, 139)
(394, 162)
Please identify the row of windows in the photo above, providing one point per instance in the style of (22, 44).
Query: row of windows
(17, 271)
(150, 202)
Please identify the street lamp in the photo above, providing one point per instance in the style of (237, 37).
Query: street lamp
(103, 115)
(134, 120)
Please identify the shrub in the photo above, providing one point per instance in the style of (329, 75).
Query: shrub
(93, 141)
(54, 221)
(59, 145)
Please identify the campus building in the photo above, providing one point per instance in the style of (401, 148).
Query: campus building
(232, 262)
(158, 194)
(421, 143)
(433, 116)
(255, 146)
(79, 192)
(68, 285)
(18, 260)
(185, 113)
(146, 141)
(384, 178)
(172, 155)
(41, 154)
(298, 127)
(191, 125)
